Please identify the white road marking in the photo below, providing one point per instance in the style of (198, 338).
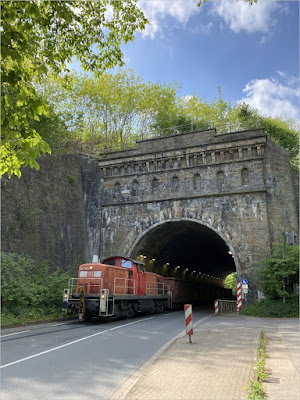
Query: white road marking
(73, 342)
(15, 333)
(62, 323)
(172, 313)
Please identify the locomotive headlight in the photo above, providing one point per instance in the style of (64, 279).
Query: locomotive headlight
(65, 296)
(102, 296)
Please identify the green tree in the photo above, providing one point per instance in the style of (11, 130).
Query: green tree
(41, 37)
(204, 113)
(113, 109)
(222, 115)
(230, 282)
(284, 131)
(277, 273)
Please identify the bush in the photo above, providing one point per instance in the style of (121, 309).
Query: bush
(230, 282)
(273, 308)
(29, 291)
(276, 274)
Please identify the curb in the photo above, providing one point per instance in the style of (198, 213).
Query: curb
(123, 390)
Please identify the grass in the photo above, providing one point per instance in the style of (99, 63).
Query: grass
(273, 308)
(8, 319)
(255, 389)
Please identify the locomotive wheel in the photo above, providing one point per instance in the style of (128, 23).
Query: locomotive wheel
(129, 311)
(118, 312)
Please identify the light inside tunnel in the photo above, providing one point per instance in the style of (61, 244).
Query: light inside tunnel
(188, 247)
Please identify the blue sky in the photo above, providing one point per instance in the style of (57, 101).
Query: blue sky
(251, 52)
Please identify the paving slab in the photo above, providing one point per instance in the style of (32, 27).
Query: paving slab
(283, 381)
(219, 363)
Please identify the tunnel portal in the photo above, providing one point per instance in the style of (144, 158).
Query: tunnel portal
(185, 246)
(188, 199)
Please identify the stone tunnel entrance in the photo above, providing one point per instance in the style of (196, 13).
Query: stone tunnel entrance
(185, 249)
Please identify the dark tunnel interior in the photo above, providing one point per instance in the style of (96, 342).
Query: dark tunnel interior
(185, 245)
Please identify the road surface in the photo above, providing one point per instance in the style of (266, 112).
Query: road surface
(73, 360)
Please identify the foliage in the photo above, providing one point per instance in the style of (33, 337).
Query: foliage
(8, 318)
(283, 131)
(204, 113)
(116, 109)
(256, 390)
(273, 308)
(30, 290)
(221, 114)
(286, 134)
(230, 282)
(277, 273)
(41, 37)
(112, 110)
(52, 129)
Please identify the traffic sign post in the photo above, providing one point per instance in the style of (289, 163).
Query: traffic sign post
(244, 290)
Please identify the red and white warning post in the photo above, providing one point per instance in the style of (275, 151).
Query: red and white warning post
(188, 320)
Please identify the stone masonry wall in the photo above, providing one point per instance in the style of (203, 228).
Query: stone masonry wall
(282, 193)
(216, 180)
(53, 214)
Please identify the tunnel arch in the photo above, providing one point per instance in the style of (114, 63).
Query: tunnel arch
(200, 235)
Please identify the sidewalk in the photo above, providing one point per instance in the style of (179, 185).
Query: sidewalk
(283, 381)
(217, 365)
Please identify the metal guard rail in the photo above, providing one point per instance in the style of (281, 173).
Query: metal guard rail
(125, 286)
(73, 285)
(153, 288)
(227, 306)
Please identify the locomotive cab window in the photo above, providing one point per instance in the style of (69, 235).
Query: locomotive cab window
(126, 264)
(140, 267)
(111, 262)
(97, 274)
(83, 274)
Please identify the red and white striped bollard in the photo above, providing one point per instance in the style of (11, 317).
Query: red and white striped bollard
(239, 297)
(216, 307)
(188, 320)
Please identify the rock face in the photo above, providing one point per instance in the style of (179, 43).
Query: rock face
(201, 201)
(53, 214)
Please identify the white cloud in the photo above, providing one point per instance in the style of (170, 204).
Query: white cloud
(157, 10)
(274, 98)
(240, 16)
(202, 28)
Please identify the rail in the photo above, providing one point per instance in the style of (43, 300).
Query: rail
(227, 306)
(154, 288)
(91, 285)
(124, 286)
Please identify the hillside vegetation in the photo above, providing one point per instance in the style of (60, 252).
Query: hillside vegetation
(114, 110)
(29, 292)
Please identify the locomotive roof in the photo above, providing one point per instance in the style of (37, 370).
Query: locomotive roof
(124, 258)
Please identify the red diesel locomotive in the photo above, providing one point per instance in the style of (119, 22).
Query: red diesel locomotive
(121, 287)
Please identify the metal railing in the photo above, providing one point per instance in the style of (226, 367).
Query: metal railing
(89, 284)
(154, 288)
(227, 306)
(130, 141)
(124, 286)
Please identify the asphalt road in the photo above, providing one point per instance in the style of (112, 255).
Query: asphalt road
(81, 361)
